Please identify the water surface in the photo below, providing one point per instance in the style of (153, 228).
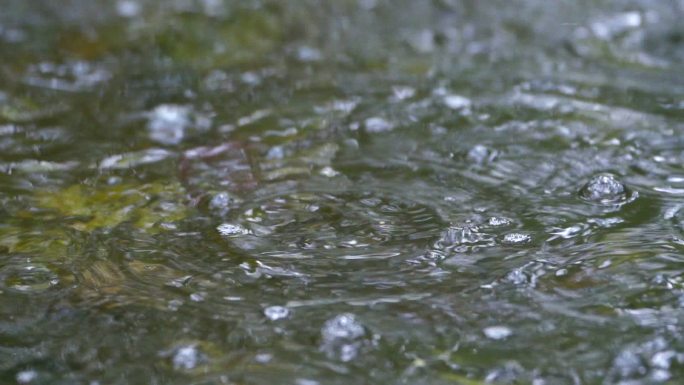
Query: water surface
(341, 192)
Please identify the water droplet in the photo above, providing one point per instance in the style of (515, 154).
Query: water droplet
(497, 332)
(604, 188)
(516, 238)
(275, 313)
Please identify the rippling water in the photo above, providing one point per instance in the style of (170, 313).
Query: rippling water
(342, 192)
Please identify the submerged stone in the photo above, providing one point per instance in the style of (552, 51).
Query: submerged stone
(604, 188)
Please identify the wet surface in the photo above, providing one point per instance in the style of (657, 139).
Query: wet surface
(337, 192)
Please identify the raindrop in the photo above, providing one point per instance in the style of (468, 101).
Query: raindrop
(604, 188)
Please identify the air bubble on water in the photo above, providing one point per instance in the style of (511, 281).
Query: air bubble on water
(403, 92)
(221, 203)
(509, 373)
(628, 364)
(275, 313)
(458, 235)
(168, 122)
(263, 358)
(663, 359)
(377, 125)
(604, 188)
(516, 238)
(498, 221)
(341, 336)
(517, 277)
(229, 229)
(306, 381)
(329, 172)
(344, 326)
(198, 297)
(174, 304)
(615, 25)
(481, 154)
(187, 357)
(251, 78)
(275, 152)
(127, 8)
(26, 376)
(497, 332)
(309, 54)
(456, 102)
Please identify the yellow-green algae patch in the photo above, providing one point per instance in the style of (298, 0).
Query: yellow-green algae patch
(147, 206)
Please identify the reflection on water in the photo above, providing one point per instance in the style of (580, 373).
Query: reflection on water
(334, 192)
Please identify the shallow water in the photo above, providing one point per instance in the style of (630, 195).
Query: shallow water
(341, 192)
